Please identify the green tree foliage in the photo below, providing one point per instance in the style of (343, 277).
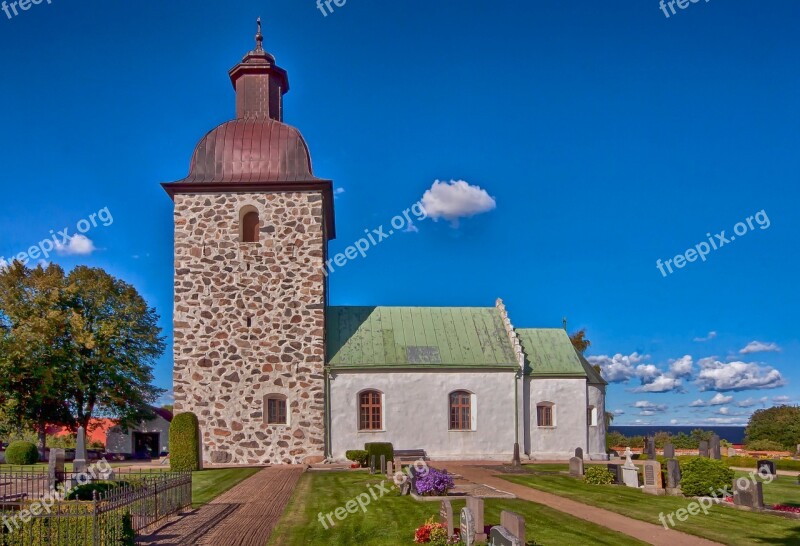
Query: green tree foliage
(780, 424)
(184, 443)
(72, 346)
(598, 475)
(701, 477)
(22, 453)
(115, 341)
(34, 350)
(764, 445)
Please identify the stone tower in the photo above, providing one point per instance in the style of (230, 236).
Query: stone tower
(252, 225)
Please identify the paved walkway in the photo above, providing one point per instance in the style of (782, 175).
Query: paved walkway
(647, 532)
(245, 515)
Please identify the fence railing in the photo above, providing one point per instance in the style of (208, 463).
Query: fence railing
(35, 514)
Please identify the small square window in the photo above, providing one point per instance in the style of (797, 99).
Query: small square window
(276, 411)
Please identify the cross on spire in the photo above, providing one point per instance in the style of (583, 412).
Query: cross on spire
(259, 37)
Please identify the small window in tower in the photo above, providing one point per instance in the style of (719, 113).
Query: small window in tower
(251, 227)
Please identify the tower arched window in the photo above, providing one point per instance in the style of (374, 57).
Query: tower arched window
(250, 226)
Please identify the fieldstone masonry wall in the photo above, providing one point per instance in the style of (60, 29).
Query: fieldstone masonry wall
(224, 368)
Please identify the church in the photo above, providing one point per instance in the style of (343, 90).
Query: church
(276, 375)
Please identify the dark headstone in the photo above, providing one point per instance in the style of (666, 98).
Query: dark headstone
(383, 464)
(650, 446)
(55, 467)
(412, 477)
(514, 523)
(372, 464)
(715, 449)
(669, 451)
(500, 536)
(579, 452)
(766, 467)
(405, 488)
(747, 492)
(616, 470)
(673, 474)
(467, 527)
(446, 515)
(703, 448)
(576, 467)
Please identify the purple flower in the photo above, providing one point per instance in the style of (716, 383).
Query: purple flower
(434, 483)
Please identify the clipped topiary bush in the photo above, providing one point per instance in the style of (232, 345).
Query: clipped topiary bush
(378, 449)
(701, 477)
(22, 453)
(358, 456)
(598, 475)
(184, 443)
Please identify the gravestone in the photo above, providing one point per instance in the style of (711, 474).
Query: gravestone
(476, 507)
(372, 464)
(714, 446)
(467, 527)
(390, 468)
(653, 482)
(79, 464)
(616, 470)
(749, 493)
(499, 536)
(766, 467)
(576, 467)
(55, 467)
(579, 452)
(704, 448)
(405, 488)
(514, 523)
(383, 464)
(798, 450)
(446, 515)
(731, 452)
(630, 476)
(650, 447)
(412, 478)
(673, 474)
(669, 451)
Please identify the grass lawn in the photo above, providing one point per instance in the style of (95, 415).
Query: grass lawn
(722, 524)
(209, 484)
(391, 520)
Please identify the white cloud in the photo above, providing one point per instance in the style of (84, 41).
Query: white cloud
(724, 410)
(781, 399)
(647, 372)
(760, 347)
(736, 376)
(697, 404)
(682, 367)
(78, 245)
(618, 412)
(649, 406)
(720, 400)
(338, 191)
(663, 383)
(723, 421)
(711, 335)
(747, 403)
(456, 199)
(618, 368)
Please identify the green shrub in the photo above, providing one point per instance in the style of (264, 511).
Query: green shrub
(184, 443)
(700, 476)
(86, 491)
(22, 453)
(598, 475)
(357, 456)
(764, 445)
(378, 449)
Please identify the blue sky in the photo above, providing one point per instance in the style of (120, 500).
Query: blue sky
(605, 136)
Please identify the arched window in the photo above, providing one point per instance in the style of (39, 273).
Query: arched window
(545, 414)
(250, 225)
(370, 411)
(460, 410)
(275, 411)
(591, 416)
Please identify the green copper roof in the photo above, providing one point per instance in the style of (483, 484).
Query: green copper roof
(417, 337)
(549, 352)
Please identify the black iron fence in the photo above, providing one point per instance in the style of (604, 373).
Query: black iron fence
(87, 511)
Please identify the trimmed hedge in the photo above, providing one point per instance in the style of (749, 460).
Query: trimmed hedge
(701, 477)
(86, 491)
(357, 456)
(378, 449)
(598, 475)
(184, 443)
(22, 453)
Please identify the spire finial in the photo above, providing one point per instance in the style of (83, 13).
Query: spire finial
(565, 323)
(259, 36)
